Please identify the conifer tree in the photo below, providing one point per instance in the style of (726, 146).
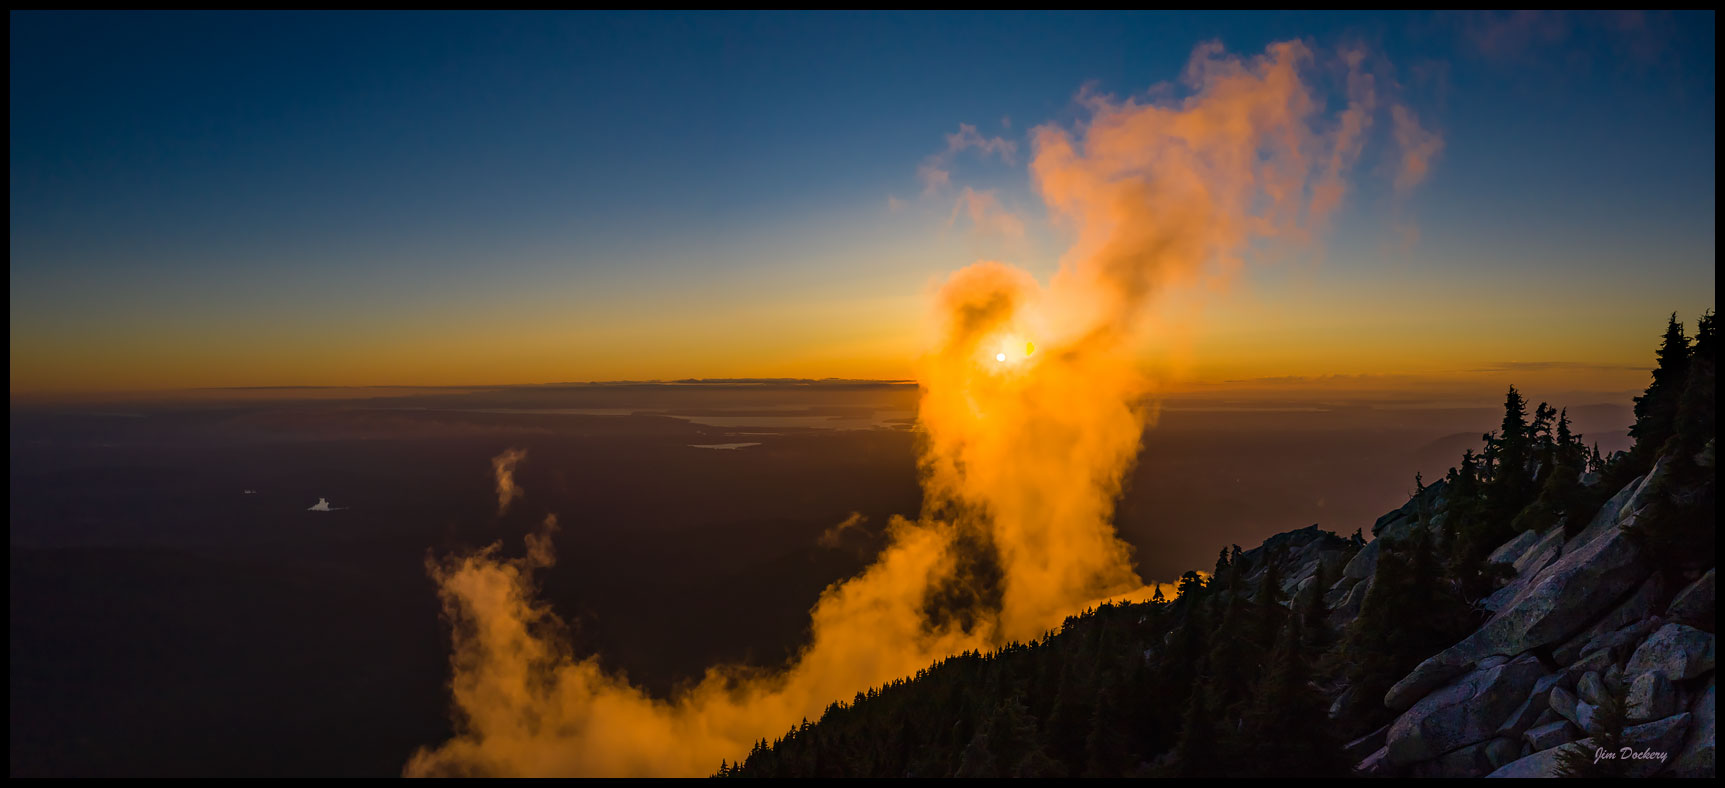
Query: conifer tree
(1656, 410)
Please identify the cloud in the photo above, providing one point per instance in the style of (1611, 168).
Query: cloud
(986, 214)
(1418, 148)
(894, 204)
(968, 137)
(1032, 407)
(1552, 366)
(830, 538)
(1512, 34)
(935, 172)
(503, 465)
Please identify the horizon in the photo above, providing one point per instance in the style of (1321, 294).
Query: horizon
(460, 215)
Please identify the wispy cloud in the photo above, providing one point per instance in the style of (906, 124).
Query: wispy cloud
(935, 172)
(986, 214)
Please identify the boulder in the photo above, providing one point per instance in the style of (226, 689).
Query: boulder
(1570, 593)
(1591, 688)
(1431, 673)
(1605, 519)
(1586, 716)
(1620, 643)
(1375, 764)
(1541, 554)
(1677, 650)
(1473, 760)
(1548, 736)
(1466, 712)
(1350, 608)
(1498, 752)
(1539, 764)
(1334, 597)
(1651, 696)
(1694, 604)
(1659, 736)
(1564, 702)
(1593, 662)
(1650, 596)
(1364, 562)
(1341, 702)
(1530, 710)
(1358, 749)
(1696, 759)
(1514, 548)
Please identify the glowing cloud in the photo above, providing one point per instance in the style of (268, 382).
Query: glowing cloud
(1031, 415)
(503, 465)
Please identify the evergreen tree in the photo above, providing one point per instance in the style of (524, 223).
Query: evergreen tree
(1656, 410)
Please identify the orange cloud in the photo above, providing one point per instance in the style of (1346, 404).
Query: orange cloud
(986, 214)
(1032, 408)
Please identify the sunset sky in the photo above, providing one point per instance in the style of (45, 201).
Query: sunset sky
(248, 200)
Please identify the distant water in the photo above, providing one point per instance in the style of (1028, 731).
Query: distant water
(721, 445)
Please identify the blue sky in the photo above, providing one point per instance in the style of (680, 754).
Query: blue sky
(223, 199)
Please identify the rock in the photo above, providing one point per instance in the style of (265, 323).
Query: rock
(1571, 592)
(1530, 710)
(1547, 717)
(1497, 599)
(1651, 697)
(1375, 764)
(1694, 605)
(1613, 677)
(1334, 597)
(1466, 712)
(1350, 608)
(1605, 520)
(1638, 608)
(1498, 752)
(1619, 642)
(1586, 716)
(1341, 703)
(1660, 736)
(1389, 522)
(1677, 650)
(1473, 760)
(1427, 675)
(1564, 702)
(1364, 563)
(1539, 764)
(1594, 662)
(1541, 554)
(1591, 688)
(1514, 548)
(1546, 737)
(1359, 748)
(1696, 759)
(1491, 662)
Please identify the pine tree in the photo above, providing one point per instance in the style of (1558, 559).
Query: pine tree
(1656, 410)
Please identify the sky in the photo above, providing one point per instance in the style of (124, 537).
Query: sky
(203, 200)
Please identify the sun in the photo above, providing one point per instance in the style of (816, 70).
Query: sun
(1000, 357)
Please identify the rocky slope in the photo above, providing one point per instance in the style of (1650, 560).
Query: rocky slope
(1579, 618)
